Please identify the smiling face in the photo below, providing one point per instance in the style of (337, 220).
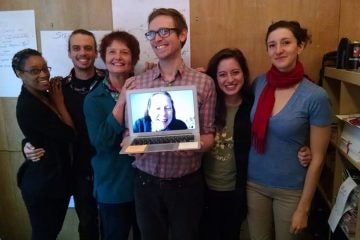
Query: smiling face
(166, 47)
(38, 82)
(160, 111)
(230, 77)
(283, 49)
(118, 59)
(82, 51)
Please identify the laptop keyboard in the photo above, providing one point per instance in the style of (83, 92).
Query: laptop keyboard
(163, 139)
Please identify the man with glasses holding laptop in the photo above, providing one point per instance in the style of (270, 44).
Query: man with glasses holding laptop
(169, 185)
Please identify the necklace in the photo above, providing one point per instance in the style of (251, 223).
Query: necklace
(83, 90)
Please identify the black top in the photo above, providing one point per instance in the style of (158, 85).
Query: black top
(75, 91)
(44, 129)
(242, 144)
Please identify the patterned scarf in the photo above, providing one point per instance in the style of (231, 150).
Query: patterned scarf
(109, 87)
(275, 79)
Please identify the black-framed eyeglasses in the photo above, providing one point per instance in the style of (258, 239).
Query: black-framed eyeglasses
(37, 71)
(163, 32)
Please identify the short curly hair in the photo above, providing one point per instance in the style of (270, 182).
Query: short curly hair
(128, 39)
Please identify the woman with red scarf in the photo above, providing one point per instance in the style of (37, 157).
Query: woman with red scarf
(289, 111)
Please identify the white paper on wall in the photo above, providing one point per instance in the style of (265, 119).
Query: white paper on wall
(54, 47)
(17, 31)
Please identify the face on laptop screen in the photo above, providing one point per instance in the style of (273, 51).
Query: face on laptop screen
(162, 111)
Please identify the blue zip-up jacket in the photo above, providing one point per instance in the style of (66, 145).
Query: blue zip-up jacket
(113, 172)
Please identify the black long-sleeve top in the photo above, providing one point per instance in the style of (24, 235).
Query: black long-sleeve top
(44, 129)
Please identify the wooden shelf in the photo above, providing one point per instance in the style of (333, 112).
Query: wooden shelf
(343, 88)
(343, 75)
(355, 163)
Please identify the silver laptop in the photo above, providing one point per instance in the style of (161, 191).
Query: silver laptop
(162, 119)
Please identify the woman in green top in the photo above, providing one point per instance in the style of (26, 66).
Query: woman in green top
(224, 168)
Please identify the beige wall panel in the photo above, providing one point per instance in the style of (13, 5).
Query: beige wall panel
(65, 14)
(349, 20)
(12, 130)
(14, 223)
(243, 24)
(69, 230)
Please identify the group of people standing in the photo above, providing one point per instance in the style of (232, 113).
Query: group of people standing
(250, 164)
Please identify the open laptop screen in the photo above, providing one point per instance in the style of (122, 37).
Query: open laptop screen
(162, 109)
(162, 119)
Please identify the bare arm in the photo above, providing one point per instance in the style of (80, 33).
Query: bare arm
(319, 140)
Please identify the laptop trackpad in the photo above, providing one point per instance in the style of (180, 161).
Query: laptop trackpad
(162, 147)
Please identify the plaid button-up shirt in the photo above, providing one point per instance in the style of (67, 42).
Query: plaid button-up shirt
(168, 164)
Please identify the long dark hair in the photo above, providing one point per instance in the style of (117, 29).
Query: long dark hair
(226, 53)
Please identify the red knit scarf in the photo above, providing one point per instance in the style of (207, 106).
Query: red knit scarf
(275, 79)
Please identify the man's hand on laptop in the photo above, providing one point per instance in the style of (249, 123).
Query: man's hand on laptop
(126, 134)
(136, 155)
